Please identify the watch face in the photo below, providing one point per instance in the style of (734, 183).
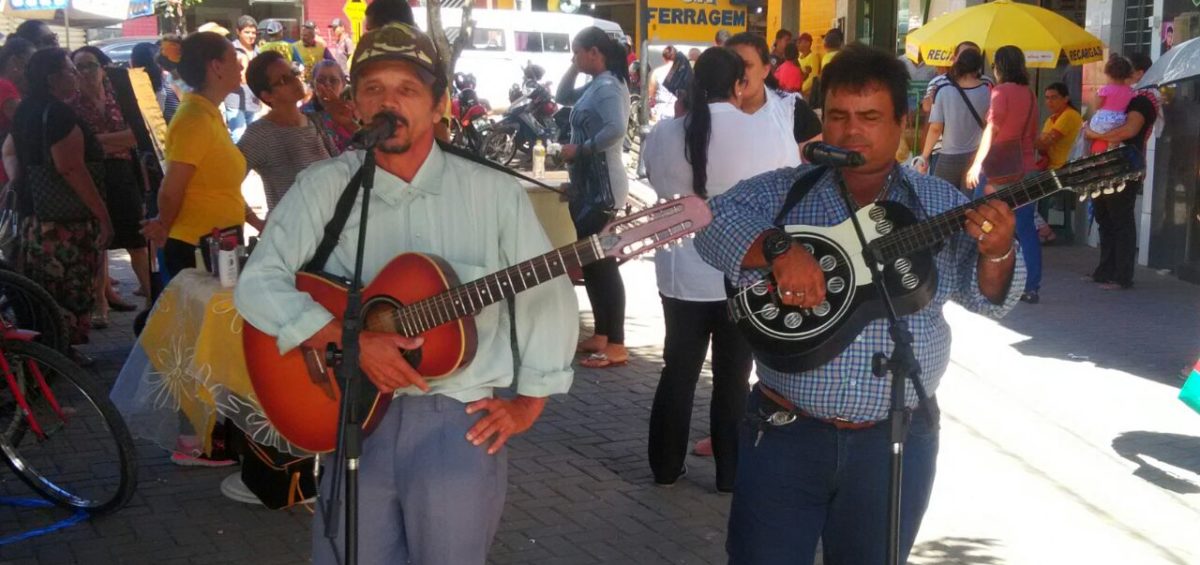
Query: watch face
(776, 244)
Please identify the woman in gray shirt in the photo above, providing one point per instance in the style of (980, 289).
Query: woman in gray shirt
(598, 185)
(959, 125)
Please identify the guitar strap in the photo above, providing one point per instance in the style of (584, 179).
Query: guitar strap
(799, 190)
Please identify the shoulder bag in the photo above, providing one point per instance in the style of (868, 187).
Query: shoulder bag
(1004, 163)
(967, 101)
(54, 200)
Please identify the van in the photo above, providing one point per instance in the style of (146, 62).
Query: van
(504, 41)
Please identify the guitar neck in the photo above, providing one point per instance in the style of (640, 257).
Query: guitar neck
(930, 232)
(469, 298)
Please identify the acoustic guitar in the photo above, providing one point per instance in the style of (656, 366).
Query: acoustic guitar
(419, 295)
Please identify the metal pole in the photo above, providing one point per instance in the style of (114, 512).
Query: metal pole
(67, 24)
(644, 33)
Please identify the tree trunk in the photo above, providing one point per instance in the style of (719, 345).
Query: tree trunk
(446, 52)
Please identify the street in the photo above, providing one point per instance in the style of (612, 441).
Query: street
(1062, 442)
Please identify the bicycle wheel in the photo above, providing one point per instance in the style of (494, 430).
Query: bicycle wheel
(71, 446)
(26, 305)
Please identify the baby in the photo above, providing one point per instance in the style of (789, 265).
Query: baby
(1112, 100)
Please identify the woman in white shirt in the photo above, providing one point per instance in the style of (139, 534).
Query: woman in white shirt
(704, 153)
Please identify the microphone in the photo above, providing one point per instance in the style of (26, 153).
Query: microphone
(819, 153)
(381, 128)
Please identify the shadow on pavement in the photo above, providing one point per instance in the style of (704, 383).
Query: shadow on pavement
(955, 550)
(1147, 331)
(1149, 449)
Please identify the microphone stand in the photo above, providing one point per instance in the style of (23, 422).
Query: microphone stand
(346, 360)
(902, 364)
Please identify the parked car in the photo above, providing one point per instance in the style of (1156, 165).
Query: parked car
(505, 42)
(120, 48)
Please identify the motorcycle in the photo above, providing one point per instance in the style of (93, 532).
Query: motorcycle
(470, 122)
(532, 116)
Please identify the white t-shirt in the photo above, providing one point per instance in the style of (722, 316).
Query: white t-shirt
(664, 101)
(737, 150)
(776, 120)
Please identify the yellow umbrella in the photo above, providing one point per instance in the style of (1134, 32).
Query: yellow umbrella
(1040, 33)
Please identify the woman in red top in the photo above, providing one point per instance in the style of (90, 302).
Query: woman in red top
(789, 75)
(1006, 152)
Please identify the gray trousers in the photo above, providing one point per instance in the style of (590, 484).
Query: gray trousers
(953, 169)
(427, 496)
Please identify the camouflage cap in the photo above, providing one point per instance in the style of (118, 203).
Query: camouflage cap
(396, 42)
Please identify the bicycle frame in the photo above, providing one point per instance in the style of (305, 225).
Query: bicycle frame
(26, 335)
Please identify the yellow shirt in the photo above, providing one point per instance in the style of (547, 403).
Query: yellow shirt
(1068, 123)
(811, 65)
(310, 56)
(825, 59)
(197, 136)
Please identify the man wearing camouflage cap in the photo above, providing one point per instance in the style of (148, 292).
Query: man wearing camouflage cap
(434, 471)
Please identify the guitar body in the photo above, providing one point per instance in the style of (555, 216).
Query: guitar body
(298, 391)
(792, 339)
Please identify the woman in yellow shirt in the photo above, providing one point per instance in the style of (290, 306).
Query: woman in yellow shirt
(1061, 129)
(202, 189)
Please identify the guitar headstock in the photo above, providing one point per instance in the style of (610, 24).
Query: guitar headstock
(1103, 173)
(629, 236)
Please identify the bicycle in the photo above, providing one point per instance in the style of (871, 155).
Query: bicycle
(25, 304)
(59, 432)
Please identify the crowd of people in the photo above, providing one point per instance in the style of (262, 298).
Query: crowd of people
(731, 124)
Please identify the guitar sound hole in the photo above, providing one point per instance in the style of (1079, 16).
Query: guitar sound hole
(883, 227)
(760, 289)
(828, 263)
(903, 265)
(835, 285)
(910, 281)
(793, 320)
(877, 213)
(810, 249)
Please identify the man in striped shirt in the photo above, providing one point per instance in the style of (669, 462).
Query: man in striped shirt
(824, 474)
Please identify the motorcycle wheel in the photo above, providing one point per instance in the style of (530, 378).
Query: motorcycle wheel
(457, 137)
(499, 147)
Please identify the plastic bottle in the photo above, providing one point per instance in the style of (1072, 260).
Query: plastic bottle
(539, 160)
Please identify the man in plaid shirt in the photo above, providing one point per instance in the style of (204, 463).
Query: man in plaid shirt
(825, 474)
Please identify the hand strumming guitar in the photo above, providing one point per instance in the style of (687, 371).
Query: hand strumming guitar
(381, 358)
(798, 278)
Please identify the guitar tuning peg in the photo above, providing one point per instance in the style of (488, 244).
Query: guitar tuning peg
(677, 197)
(1083, 197)
(1108, 189)
(661, 201)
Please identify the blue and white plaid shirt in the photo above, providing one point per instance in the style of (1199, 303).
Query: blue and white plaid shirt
(845, 387)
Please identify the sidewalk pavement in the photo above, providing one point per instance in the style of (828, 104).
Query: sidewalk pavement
(1062, 442)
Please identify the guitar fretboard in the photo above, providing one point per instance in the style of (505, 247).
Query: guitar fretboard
(469, 298)
(930, 232)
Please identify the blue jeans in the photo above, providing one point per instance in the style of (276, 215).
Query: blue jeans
(1031, 246)
(808, 480)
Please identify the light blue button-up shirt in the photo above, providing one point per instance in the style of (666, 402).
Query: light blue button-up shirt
(476, 219)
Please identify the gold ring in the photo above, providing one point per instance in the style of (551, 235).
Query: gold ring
(986, 226)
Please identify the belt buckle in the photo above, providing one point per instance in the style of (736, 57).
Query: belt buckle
(781, 418)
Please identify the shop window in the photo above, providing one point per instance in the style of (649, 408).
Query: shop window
(1138, 34)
